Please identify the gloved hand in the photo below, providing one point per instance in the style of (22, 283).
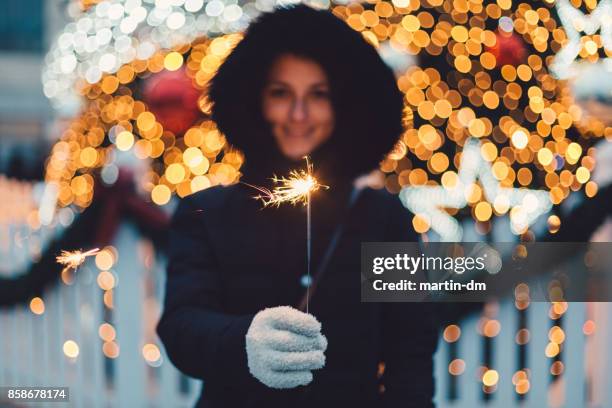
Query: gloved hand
(283, 346)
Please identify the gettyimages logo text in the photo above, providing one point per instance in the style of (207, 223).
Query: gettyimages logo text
(414, 264)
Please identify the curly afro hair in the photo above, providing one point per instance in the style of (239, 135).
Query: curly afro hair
(366, 100)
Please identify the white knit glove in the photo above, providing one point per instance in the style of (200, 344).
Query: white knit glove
(283, 346)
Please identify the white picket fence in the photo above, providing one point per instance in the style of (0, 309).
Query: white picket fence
(586, 378)
(31, 346)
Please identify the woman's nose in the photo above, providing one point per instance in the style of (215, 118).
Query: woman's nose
(299, 110)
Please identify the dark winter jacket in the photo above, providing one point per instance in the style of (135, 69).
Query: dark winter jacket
(229, 259)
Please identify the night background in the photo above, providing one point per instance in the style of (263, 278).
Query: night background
(105, 126)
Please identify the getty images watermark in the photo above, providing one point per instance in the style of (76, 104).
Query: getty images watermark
(476, 272)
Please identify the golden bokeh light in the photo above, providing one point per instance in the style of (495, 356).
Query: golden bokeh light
(491, 328)
(173, 61)
(125, 140)
(483, 211)
(193, 157)
(552, 350)
(71, 349)
(110, 349)
(421, 223)
(106, 280)
(588, 328)
(520, 139)
(175, 173)
(105, 259)
(161, 194)
(107, 332)
(200, 183)
(490, 378)
(556, 335)
(451, 333)
(151, 352)
(37, 306)
(456, 367)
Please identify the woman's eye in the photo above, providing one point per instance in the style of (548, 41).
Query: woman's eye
(321, 93)
(278, 92)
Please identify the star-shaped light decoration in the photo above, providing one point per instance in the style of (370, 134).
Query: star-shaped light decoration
(428, 202)
(574, 22)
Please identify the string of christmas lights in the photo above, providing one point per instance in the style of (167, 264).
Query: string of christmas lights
(482, 72)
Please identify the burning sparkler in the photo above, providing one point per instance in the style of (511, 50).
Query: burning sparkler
(294, 189)
(74, 259)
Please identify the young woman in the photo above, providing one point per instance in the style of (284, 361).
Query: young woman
(301, 82)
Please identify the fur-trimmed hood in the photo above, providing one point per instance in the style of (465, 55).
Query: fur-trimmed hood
(365, 97)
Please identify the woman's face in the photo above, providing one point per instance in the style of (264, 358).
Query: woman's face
(297, 105)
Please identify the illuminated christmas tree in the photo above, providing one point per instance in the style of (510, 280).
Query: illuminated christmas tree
(483, 72)
(137, 73)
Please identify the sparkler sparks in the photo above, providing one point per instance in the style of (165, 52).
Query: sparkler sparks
(74, 259)
(294, 189)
